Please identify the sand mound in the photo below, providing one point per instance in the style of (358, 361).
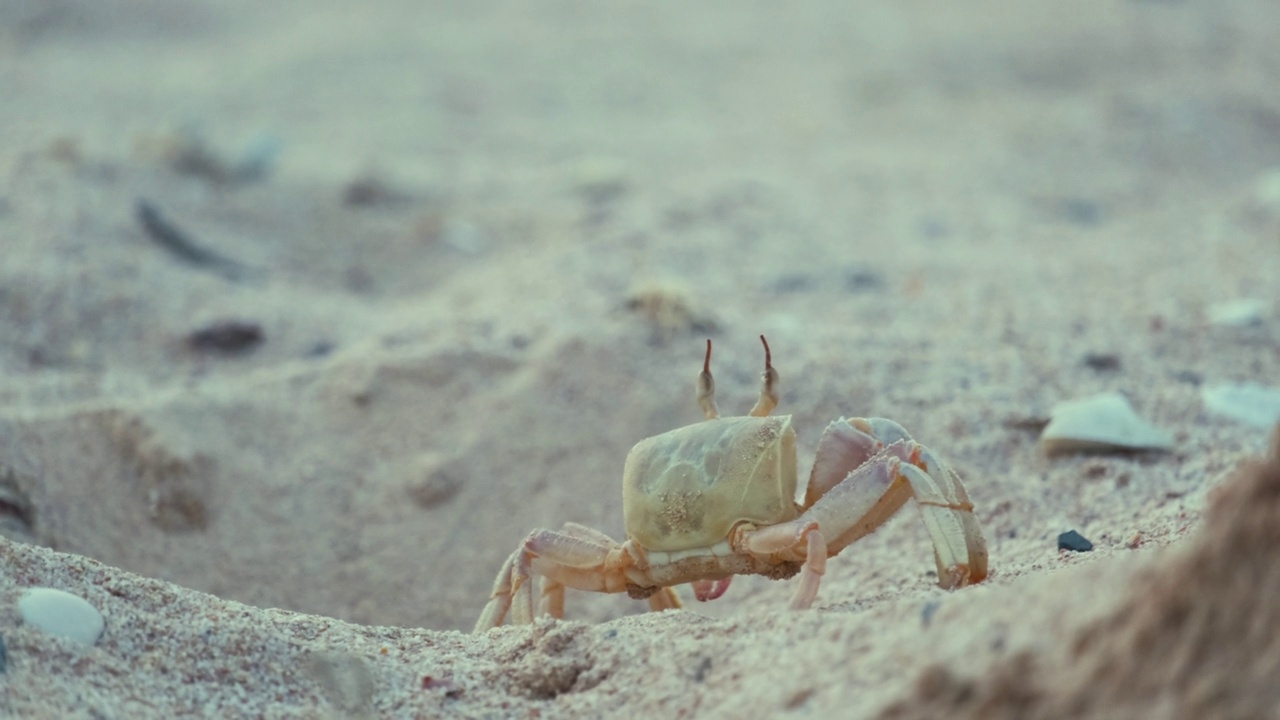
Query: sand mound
(1195, 639)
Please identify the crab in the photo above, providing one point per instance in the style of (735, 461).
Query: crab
(715, 499)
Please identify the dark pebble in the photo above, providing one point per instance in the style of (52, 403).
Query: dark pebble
(320, 349)
(796, 282)
(229, 337)
(1083, 212)
(700, 672)
(859, 279)
(1102, 361)
(1191, 377)
(369, 191)
(1074, 541)
(926, 613)
(3, 657)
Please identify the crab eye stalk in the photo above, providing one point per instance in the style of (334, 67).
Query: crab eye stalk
(768, 384)
(707, 388)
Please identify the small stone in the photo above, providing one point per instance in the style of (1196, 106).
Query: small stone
(60, 613)
(793, 282)
(1102, 361)
(4, 657)
(228, 337)
(1074, 541)
(1237, 313)
(927, 612)
(430, 480)
(1100, 423)
(863, 279)
(369, 190)
(704, 667)
(320, 348)
(1257, 405)
(1190, 377)
(1083, 211)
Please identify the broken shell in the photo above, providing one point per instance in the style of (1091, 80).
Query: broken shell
(1251, 403)
(1100, 423)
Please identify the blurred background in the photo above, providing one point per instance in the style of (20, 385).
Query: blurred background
(326, 306)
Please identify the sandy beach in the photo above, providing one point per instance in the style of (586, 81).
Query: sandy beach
(308, 319)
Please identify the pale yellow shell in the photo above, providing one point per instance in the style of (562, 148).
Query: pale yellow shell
(687, 488)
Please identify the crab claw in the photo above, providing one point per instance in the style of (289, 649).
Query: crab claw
(706, 590)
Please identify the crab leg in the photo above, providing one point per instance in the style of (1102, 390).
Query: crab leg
(875, 480)
(842, 447)
(862, 502)
(576, 557)
(875, 489)
(665, 599)
(975, 547)
(943, 515)
(797, 541)
(552, 602)
(815, 565)
(943, 504)
(562, 558)
(495, 611)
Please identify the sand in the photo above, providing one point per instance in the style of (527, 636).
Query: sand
(412, 279)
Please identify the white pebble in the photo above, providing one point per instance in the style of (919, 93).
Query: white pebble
(61, 613)
(1099, 423)
(1250, 403)
(1237, 313)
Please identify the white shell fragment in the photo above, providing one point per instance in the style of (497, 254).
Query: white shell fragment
(60, 613)
(1237, 313)
(1257, 405)
(1098, 424)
